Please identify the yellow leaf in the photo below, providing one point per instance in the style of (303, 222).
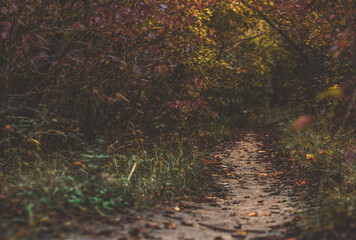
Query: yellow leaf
(252, 214)
(80, 164)
(262, 174)
(334, 91)
(241, 232)
(32, 140)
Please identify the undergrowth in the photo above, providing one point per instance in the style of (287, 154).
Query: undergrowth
(325, 152)
(54, 191)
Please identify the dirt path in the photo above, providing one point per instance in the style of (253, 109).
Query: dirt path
(248, 202)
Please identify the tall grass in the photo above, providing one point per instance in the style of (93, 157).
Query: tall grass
(98, 180)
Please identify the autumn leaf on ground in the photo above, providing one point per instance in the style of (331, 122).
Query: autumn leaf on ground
(266, 214)
(172, 226)
(241, 232)
(299, 182)
(210, 199)
(262, 174)
(310, 156)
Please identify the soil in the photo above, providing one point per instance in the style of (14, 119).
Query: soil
(247, 201)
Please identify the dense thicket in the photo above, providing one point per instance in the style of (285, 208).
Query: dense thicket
(90, 68)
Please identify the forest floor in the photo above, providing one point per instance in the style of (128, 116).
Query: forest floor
(248, 199)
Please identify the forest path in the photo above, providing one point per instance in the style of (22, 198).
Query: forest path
(247, 201)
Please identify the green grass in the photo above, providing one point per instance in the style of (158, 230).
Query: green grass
(51, 183)
(98, 181)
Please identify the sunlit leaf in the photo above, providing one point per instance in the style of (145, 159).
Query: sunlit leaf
(334, 91)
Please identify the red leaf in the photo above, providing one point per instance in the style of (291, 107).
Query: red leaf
(4, 35)
(7, 26)
(4, 10)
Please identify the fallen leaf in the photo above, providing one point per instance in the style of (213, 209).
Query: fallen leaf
(310, 156)
(266, 214)
(210, 199)
(262, 174)
(9, 127)
(152, 226)
(299, 182)
(172, 226)
(277, 173)
(177, 208)
(252, 214)
(241, 232)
